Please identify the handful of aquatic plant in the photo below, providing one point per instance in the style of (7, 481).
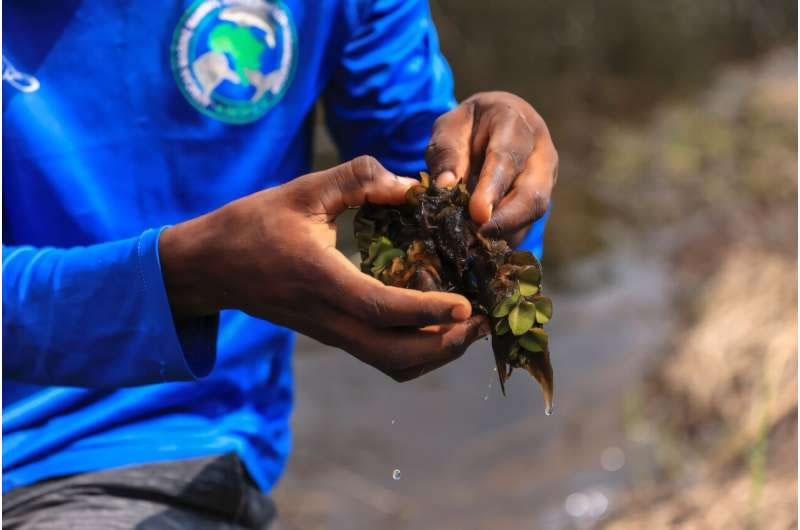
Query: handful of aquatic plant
(431, 244)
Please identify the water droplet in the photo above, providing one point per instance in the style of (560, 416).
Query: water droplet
(576, 504)
(486, 398)
(392, 422)
(548, 411)
(598, 504)
(586, 506)
(396, 474)
(612, 458)
(495, 368)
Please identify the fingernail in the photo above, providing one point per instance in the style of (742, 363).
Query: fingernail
(446, 178)
(461, 312)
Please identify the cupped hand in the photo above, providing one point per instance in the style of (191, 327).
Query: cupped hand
(273, 255)
(500, 146)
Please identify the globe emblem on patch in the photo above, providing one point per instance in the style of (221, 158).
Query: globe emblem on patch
(234, 59)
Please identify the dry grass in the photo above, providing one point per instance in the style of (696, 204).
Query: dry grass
(724, 400)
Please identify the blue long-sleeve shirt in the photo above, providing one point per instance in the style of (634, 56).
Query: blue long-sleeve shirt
(122, 118)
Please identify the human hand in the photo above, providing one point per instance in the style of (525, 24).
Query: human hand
(273, 255)
(500, 146)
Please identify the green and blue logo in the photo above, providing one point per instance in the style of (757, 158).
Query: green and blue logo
(234, 59)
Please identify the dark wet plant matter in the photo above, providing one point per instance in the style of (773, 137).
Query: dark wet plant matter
(431, 244)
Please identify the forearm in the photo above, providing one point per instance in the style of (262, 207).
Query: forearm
(96, 316)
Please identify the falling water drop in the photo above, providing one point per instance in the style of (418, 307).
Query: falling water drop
(486, 397)
(392, 422)
(396, 474)
(612, 458)
(548, 411)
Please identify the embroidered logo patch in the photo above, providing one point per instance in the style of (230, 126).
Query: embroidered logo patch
(234, 59)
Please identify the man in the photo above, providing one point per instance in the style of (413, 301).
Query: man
(157, 244)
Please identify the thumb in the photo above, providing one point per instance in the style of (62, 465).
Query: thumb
(353, 183)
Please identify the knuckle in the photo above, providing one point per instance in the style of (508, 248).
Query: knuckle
(375, 310)
(539, 205)
(365, 169)
(506, 113)
(356, 175)
(520, 123)
(536, 122)
(525, 137)
(453, 348)
(439, 153)
(432, 150)
(441, 120)
(505, 159)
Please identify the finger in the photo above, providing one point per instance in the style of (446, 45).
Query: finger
(459, 336)
(515, 239)
(509, 142)
(366, 298)
(528, 199)
(353, 183)
(448, 153)
(402, 354)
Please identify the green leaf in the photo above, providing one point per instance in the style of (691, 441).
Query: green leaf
(503, 308)
(535, 340)
(530, 274)
(527, 289)
(377, 247)
(385, 258)
(522, 317)
(364, 231)
(362, 225)
(514, 352)
(501, 328)
(544, 309)
(522, 257)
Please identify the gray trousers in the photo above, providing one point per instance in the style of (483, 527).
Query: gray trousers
(203, 493)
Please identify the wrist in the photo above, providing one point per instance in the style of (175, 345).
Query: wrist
(187, 253)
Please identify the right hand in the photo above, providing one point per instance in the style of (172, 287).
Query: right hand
(273, 255)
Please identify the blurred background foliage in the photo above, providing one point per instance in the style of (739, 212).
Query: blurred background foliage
(671, 258)
(589, 65)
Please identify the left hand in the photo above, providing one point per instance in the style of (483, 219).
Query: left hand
(500, 146)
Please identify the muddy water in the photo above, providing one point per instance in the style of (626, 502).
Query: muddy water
(466, 456)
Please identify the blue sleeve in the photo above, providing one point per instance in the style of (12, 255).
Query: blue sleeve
(534, 240)
(390, 86)
(97, 316)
